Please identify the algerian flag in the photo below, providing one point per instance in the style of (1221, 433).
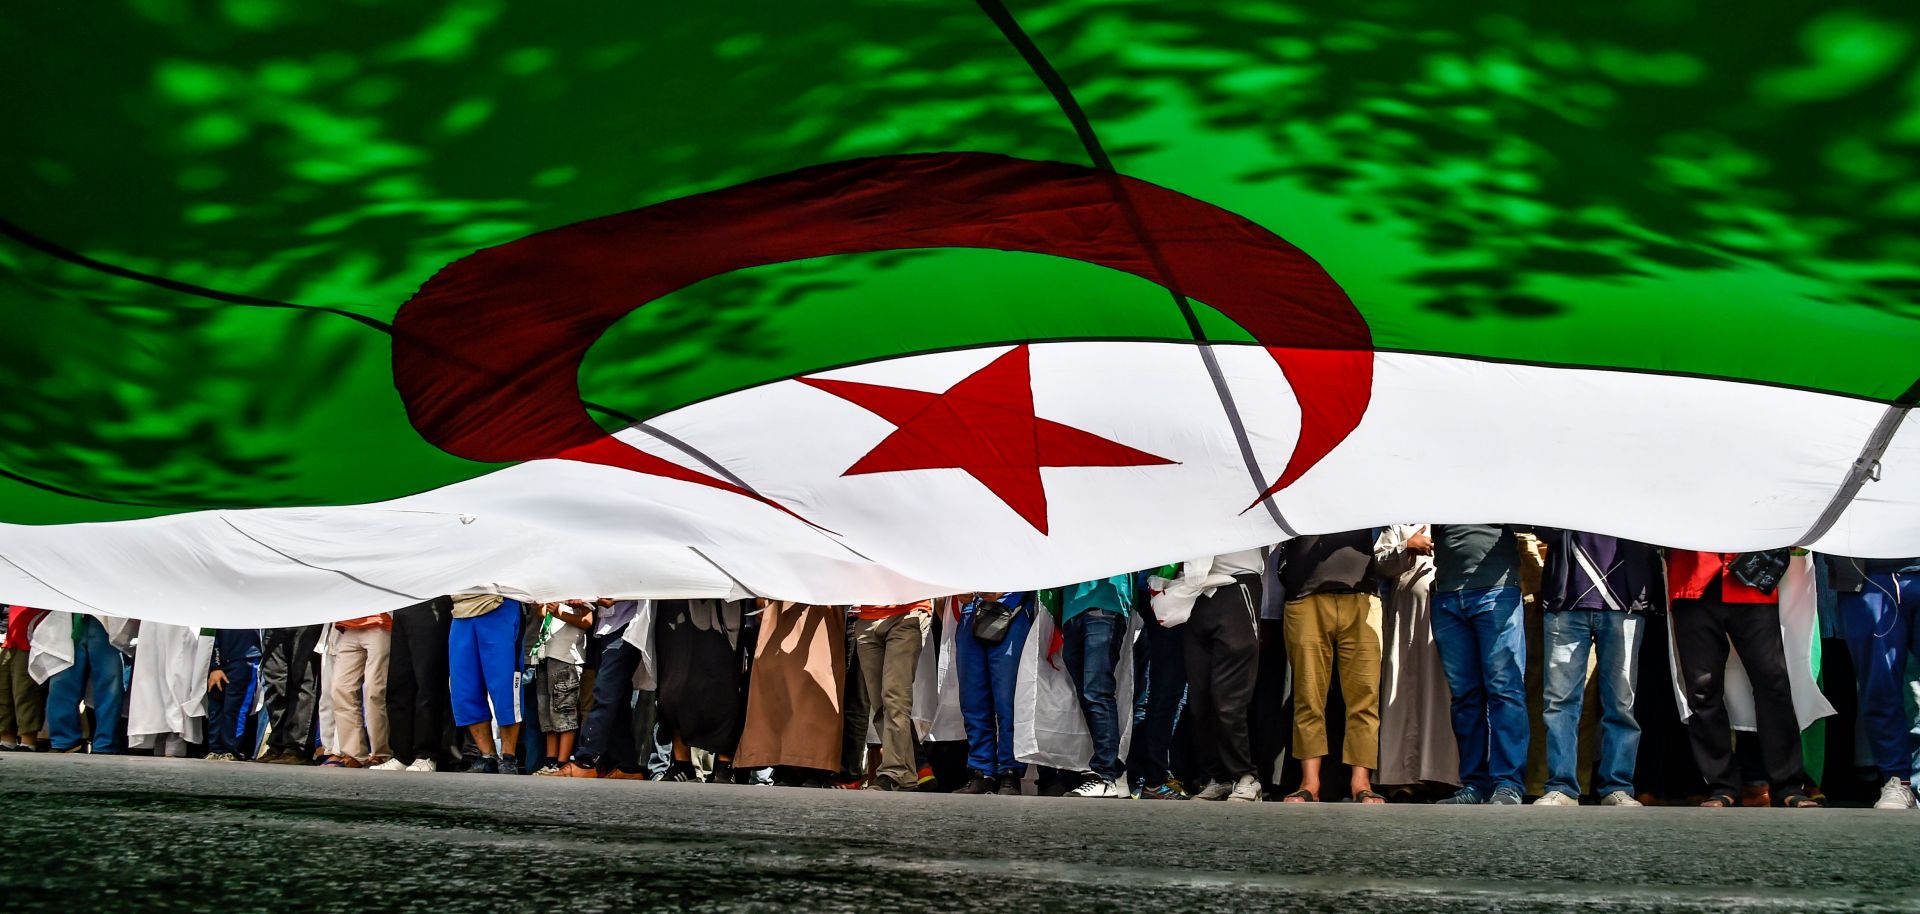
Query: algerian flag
(315, 310)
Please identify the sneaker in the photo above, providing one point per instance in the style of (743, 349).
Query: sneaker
(679, 773)
(392, 764)
(1246, 790)
(1619, 798)
(1506, 796)
(926, 777)
(485, 764)
(1554, 798)
(1171, 790)
(509, 764)
(219, 756)
(1215, 790)
(1098, 787)
(423, 764)
(1009, 786)
(980, 785)
(1466, 797)
(548, 770)
(1895, 795)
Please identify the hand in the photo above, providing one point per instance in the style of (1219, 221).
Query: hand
(1420, 543)
(217, 680)
(549, 609)
(577, 603)
(605, 602)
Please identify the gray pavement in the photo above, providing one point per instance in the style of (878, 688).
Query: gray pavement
(120, 834)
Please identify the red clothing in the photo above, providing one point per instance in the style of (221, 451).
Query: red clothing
(888, 612)
(20, 623)
(1689, 573)
(377, 620)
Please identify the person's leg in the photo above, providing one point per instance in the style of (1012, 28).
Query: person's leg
(65, 690)
(1755, 632)
(1310, 653)
(1618, 641)
(1236, 667)
(855, 713)
(1871, 623)
(1460, 659)
(379, 642)
(1099, 701)
(1700, 642)
(904, 640)
(606, 735)
(872, 648)
(1909, 591)
(1003, 669)
(106, 676)
(1357, 653)
(1501, 625)
(975, 680)
(1569, 638)
(466, 682)
(303, 687)
(276, 658)
(9, 701)
(1203, 717)
(403, 693)
(349, 681)
(1166, 699)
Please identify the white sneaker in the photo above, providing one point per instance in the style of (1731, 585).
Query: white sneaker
(392, 764)
(1556, 798)
(1099, 787)
(1246, 790)
(1619, 798)
(1215, 790)
(1895, 795)
(423, 764)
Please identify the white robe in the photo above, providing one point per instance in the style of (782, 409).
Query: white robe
(169, 693)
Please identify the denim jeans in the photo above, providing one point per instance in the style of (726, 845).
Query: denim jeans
(1615, 639)
(1159, 701)
(1091, 648)
(228, 708)
(987, 674)
(97, 675)
(1483, 648)
(606, 735)
(1880, 627)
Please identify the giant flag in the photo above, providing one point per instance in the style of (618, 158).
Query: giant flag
(318, 309)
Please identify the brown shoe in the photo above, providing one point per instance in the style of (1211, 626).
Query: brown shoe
(618, 775)
(287, 758)
(1756, 795)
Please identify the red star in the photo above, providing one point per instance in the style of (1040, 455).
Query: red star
(984, 425)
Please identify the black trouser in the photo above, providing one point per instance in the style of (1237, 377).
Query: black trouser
(855, 716)
(606, 736)
(1701, 631)
(291, 671)
(418, 706)
(1222, 645)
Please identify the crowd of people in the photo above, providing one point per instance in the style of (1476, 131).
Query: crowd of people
(1460, 663)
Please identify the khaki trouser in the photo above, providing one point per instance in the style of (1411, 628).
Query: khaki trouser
(23, 702)
(889, 652)
(360, 665)
(1320, 629)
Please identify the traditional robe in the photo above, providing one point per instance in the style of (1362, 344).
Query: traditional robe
(794, 714)
(167, 704)
(1416, 727)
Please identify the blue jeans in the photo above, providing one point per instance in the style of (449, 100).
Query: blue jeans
(1615, 637)
(228, 708)
(1483, 648)
(987, 674)
(97, 675)
(1091, 649)
(606, 734)
(1160, 699)
(1880, 627)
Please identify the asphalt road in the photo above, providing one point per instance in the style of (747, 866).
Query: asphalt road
(87, 833)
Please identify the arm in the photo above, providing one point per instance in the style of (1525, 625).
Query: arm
(576, 616)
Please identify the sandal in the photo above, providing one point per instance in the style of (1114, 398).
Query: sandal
(1720, 801)
(1300, 796)
(1797, 800)
(1368, 796)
